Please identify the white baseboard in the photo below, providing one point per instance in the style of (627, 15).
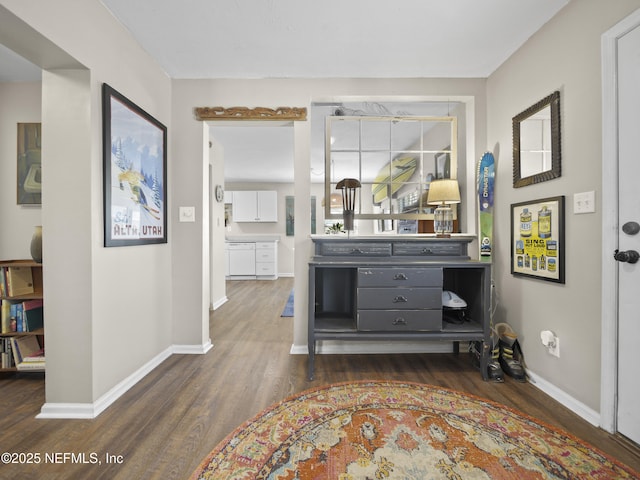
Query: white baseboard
(219, 303)
(192, 349)
(92, 410)
(565, 399)
(328, 347)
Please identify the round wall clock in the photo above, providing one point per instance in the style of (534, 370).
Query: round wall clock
(219, 193)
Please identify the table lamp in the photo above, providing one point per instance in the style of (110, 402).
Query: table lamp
(443, 193)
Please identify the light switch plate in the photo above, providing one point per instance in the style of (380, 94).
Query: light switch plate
(584, 202)
(187, 214)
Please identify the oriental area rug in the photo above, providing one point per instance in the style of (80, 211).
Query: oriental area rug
(393, 430)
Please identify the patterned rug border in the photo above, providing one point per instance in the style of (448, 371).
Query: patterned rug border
(396, 383)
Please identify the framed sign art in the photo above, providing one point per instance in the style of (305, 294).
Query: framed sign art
(135, 173)
(537, 239)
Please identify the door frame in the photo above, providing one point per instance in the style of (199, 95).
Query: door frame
(610, 227)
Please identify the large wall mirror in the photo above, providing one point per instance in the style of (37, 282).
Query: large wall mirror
(536, 142)
(394, 158)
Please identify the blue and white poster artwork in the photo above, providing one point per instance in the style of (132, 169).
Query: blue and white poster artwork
(135, 177)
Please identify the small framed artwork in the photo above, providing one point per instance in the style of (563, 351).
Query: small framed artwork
(135, 173)
(290, 215)
(29, 164)
(537, 239)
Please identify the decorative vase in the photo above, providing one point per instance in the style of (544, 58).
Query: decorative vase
(36, 244)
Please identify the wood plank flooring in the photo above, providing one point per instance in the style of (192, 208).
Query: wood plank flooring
(166, 424)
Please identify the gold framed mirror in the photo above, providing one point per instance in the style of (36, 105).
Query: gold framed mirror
(536, 142)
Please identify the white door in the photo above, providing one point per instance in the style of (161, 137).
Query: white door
(628, 408)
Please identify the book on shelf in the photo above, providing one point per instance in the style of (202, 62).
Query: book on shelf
(6, 316)
(33, 314)
(25, 346)
(34, 367)
(27, 353)
(17, 318)
(3, 282)
(6, 355)
(19, 281)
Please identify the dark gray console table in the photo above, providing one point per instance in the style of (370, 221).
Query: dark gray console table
(390, 288)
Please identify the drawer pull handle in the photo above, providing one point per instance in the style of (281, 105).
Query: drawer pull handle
(356, 250)
(400, 299)
(399, 321)
(400, 276)
(427, 251)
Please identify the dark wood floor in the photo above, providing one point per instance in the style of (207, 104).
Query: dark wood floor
(166, 424)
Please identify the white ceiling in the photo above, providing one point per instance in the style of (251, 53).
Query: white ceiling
(315, 39)
(332, 38)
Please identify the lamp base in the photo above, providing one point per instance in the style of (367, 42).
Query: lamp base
(443, 221)
(347, 217)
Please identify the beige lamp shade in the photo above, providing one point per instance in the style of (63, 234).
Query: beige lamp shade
(444, 192)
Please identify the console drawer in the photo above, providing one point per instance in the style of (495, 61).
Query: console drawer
(399, 298)
(431, 249)
(399, 320)
(400, 277)
(355, 249)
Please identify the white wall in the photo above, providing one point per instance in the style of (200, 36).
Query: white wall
(564, 55)
(109, 310)
(20, 104)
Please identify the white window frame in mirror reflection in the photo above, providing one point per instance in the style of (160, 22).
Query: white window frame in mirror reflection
(411, 166)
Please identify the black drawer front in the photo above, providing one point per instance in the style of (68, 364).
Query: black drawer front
(355, 249)
(399, 298)
(433, 249)
(399, 277)
(399, 320)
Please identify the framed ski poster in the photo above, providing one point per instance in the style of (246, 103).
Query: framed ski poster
(537, 239)
(135, 173)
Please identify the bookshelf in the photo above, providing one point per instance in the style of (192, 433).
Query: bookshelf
(21, 294)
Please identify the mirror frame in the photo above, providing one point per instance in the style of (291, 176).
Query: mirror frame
(518, 181)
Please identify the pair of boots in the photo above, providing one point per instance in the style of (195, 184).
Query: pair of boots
(506, 354)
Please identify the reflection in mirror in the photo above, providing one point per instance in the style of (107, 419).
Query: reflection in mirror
(394, 158)
(388, 146)
(536, 142)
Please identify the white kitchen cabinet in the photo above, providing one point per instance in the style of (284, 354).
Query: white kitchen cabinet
(255, 206)
(267, 259)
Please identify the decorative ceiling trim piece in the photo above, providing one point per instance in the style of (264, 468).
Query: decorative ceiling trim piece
(245, 113)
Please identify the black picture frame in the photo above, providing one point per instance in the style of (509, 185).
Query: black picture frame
(134, 173)
(537, 239)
